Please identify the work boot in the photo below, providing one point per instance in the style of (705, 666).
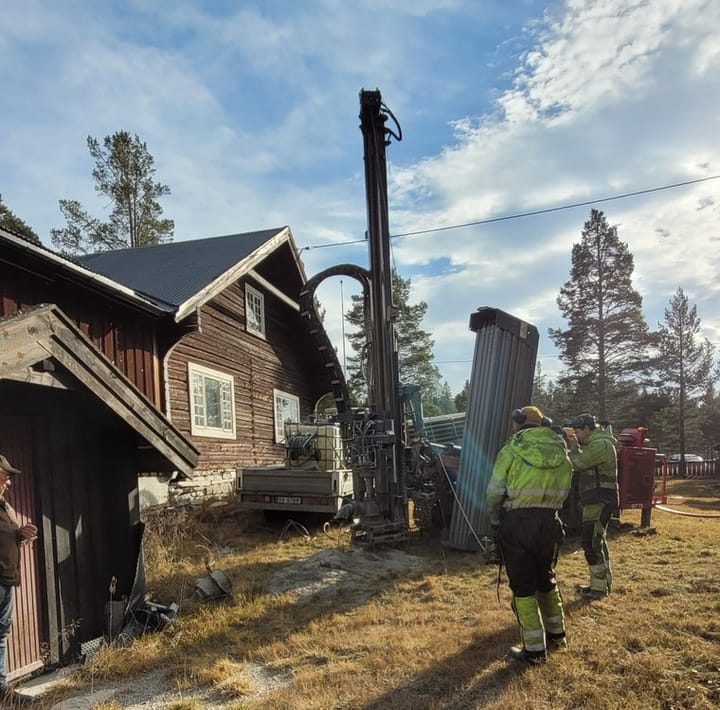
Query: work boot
(555, 642)
(591, 594)
(520, 653)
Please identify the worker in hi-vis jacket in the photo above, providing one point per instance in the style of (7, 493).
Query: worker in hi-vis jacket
(529, 483)
(594, 459)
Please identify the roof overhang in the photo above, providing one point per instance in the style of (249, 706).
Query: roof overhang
(28, 338)
(244, 267)
(74, 271)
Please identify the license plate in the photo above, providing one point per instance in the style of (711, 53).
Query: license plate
(288, 500)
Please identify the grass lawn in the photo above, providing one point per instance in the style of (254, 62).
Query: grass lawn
(427, 627)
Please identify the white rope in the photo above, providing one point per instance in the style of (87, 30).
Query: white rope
(665, 509)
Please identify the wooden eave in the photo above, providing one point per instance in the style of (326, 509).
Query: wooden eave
(244, 267)
(42, 333)
(59, 266)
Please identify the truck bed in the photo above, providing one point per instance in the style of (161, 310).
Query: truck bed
(299, 489)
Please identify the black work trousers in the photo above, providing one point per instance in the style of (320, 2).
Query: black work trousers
(529, 540)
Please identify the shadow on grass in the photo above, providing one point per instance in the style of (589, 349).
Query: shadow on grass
(475, 675)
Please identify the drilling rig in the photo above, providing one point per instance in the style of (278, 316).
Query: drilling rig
(382, 449)
(373, 441)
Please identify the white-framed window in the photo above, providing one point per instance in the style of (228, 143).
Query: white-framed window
(254, 311)
(287, 409)
(212, 402)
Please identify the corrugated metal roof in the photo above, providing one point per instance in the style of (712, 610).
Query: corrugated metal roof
(177, 271)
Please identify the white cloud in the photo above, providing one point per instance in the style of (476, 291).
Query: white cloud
(251, 115)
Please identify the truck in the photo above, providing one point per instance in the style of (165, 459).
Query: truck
(313, 479)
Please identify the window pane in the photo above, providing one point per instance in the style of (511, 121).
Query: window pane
(198, 400)
(212, 402)
(213, 414)
(254, 310)
(287, 409)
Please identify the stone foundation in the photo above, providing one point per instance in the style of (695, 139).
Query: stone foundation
(204, 486)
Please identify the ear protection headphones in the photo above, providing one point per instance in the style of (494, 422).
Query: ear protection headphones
(520, 417)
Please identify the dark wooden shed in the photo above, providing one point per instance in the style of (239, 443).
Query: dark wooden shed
(80, 431)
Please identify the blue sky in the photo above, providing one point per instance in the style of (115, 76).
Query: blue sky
(251, 113)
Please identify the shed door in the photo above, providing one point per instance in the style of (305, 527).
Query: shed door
(24, 654)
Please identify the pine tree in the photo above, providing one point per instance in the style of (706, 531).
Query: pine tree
(415, 345)
(710, 422)
(439, 402)
(606, 341)
(10, 221)
(461, 398)
(684, 362)
(124, 173)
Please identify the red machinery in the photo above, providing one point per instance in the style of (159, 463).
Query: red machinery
(637, 473)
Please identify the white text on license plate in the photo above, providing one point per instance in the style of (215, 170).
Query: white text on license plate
(291, 500)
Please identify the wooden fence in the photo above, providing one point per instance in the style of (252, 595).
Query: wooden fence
(694, 469)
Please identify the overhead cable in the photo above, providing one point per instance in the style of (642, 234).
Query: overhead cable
(532, 213)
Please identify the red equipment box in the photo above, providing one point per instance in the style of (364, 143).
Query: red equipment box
(636, 476)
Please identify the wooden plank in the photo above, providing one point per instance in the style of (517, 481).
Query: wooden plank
(45, 460)
(34, 336)
(119, 396)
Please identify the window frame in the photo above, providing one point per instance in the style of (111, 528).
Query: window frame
(280, 426)
(251, 293)
(224, 378)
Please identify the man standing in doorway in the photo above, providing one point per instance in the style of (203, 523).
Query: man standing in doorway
(12, 535)
(594, 458)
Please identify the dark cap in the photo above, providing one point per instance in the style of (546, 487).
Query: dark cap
(583, 420)
(6, 466)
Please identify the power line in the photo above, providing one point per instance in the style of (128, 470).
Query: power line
(532, 213)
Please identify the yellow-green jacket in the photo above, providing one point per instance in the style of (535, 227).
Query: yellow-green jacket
(532, 470)
(596, 466)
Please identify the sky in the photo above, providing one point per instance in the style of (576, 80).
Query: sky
(251, 113)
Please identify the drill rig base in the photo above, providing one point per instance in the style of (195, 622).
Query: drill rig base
(379, 533)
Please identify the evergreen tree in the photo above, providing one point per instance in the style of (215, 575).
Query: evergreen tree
(710, 422)
(684, 362)
(10, 221)
(124, 173)
(461, 399)
(554, 399)
(415, 356)
(607, 337)
(440, 401)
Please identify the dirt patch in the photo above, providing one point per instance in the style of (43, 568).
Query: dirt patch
(354, 572)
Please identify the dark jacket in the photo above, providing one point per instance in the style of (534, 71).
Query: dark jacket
(9, 546)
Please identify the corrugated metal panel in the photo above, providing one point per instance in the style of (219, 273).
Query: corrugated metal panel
(446, 429)
(443, 429)
(501, 380)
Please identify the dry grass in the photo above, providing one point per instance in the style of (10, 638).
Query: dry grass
(437, 640)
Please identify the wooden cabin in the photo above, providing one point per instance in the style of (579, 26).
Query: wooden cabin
(185, 357)
(245, 360)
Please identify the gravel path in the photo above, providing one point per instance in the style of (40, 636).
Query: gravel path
(156, 691)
